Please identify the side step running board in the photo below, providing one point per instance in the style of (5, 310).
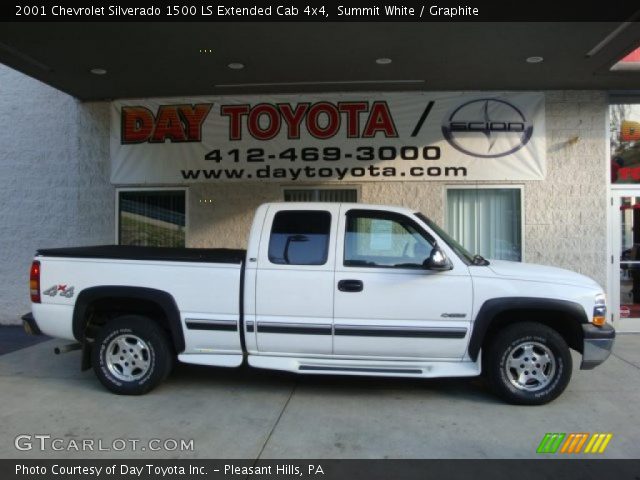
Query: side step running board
(320, 368)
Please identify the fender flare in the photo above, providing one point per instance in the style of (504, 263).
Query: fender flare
(491, 308)
(161, 298)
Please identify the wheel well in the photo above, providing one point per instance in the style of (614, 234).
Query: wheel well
(99, 305)
(562, 322)
(101, 311)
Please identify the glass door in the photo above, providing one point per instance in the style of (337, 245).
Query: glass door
(625, 300)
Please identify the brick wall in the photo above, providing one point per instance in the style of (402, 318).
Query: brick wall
(54, 179)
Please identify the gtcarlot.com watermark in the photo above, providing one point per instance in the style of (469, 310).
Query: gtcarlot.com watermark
(45, 442)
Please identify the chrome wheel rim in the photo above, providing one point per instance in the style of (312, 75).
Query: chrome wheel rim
(530, 366)
(128, 357)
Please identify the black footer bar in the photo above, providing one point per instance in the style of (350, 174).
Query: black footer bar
(564, 469)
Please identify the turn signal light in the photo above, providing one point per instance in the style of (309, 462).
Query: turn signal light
(600, 310)
(34, 281)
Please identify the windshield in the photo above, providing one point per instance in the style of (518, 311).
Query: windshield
(462, 252)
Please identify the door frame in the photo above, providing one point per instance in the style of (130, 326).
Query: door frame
(615, 242)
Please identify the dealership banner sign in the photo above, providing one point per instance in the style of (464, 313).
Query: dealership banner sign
(414, 136)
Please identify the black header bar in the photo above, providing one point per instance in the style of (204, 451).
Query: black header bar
(317, 11)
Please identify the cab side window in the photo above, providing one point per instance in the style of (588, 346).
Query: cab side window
(384, 239)
(300, 237)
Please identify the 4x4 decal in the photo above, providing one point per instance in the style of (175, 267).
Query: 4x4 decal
(62, 290)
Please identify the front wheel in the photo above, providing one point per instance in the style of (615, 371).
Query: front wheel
(131, 355)
(528, 364)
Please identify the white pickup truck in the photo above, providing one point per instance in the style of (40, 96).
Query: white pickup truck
(323, 288)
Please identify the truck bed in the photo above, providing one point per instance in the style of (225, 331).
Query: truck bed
(169, 254)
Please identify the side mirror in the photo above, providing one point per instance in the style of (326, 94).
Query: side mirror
(437, 261)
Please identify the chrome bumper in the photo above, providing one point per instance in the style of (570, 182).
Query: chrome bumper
(598, 343)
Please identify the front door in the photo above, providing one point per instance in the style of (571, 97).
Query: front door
(625, 260)
(386, 303)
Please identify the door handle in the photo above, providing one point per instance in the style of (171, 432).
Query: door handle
(350, 285)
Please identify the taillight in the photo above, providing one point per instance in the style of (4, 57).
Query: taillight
(34, 281)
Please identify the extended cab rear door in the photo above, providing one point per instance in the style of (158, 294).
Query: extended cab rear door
(386, 303)
(295, 279)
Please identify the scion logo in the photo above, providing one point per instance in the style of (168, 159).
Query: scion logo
(487, 128)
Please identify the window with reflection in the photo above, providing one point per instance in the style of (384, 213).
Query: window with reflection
(383, 239)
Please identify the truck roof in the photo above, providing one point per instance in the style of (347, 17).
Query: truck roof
(319, 205)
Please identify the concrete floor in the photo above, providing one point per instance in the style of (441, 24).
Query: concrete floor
(12, 338)
(260, 414)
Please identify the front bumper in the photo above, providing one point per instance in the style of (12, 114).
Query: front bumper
(30, 325)
(598, 343)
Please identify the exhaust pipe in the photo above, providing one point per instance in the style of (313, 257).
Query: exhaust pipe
(67, 348)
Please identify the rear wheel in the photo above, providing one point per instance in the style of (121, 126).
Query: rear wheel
(131, 355)
(528, 364)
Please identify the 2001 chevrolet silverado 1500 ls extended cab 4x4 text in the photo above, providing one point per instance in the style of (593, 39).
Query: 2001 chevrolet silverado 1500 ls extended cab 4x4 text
(323, 288)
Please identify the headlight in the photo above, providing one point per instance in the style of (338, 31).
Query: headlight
(600, 310)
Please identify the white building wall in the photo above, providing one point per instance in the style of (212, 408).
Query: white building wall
(565, 215)
(54, 179)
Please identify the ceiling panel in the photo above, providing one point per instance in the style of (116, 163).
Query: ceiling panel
(164, 59)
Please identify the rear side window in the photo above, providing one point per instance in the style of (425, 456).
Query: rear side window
(300, 237)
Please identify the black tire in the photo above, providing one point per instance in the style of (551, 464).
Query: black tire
(508, 347)
(155, 360)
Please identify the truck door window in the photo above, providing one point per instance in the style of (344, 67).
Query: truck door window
(384, 239)
(300, 237)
